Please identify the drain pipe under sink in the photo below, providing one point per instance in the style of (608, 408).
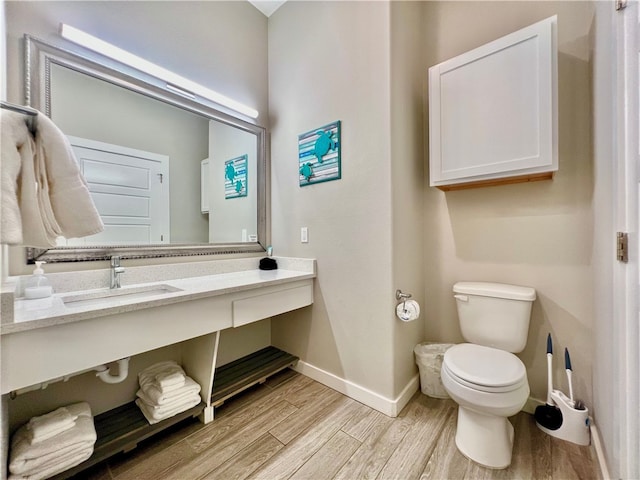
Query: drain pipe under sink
(104, 372)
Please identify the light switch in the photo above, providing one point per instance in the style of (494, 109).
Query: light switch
(304, 235)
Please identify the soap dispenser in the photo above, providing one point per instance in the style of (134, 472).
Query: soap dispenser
(38, 285)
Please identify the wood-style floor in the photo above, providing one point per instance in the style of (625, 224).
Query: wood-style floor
(293, 427)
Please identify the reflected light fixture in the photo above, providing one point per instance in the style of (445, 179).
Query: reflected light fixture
(174, 82)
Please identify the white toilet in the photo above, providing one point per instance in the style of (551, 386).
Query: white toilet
(484, 377)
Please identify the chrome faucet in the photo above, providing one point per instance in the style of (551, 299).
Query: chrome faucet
(116, 270)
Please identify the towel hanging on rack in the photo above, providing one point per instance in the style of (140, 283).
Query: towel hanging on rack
(44, 195)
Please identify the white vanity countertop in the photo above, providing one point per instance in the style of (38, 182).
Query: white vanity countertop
(47, 312)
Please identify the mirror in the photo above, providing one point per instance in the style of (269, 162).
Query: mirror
(170, 175)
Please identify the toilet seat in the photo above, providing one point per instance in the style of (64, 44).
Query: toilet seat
(484, 368)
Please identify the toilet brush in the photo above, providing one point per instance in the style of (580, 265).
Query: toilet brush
(567, 366)
(549, 416)
(577, 404)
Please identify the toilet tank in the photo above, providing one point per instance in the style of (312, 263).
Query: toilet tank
(494, 314)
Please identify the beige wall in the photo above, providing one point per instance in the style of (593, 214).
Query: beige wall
(408, 136)
(331, 61)
(538, 234)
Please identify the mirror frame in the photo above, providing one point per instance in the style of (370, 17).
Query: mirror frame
(39, 58)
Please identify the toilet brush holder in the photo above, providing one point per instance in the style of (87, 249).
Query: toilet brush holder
(575, 422)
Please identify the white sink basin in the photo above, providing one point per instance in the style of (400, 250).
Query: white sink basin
(111, 296)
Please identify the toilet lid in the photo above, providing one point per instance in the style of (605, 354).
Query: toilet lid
(484, 366)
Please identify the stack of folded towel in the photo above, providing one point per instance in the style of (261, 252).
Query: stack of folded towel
(52, 443)
(165, 391)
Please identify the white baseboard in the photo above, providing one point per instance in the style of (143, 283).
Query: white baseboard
(596, 441)
(531, 405)
(361, 394)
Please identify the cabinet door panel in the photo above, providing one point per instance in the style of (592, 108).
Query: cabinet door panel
(492, 111)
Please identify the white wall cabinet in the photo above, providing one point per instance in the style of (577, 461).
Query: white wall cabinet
(493, 112)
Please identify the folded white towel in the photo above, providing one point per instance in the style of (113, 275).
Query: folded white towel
(49, 425)
(148, 375)
(64, 198)
(25, 457)
(171, 388)
(152, 395)
(161, 411)
(57, 465)
(155, 416)
(170, 379)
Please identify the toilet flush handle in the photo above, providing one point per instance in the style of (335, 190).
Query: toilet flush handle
(462, 298)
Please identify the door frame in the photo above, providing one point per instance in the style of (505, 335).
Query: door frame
(625, 275)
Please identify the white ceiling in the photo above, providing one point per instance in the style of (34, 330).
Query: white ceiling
(267, 6)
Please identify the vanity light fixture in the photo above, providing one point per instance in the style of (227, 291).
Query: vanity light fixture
(175, 82)
(180, 91)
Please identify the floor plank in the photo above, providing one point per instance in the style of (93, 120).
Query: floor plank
(382, 441)
(446, 461)
(569, 462)
(214, 450)
(419, 442)
(247, 460)
(329, 459)
(157, 466)
(360, 427)
(307, 414)
(286, 462)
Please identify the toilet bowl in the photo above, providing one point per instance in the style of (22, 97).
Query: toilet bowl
(489, 385)
(484, 377)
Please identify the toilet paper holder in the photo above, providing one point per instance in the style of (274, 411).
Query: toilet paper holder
(401, 297)
(406, 310)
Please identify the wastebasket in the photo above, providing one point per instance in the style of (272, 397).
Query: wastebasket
(429, 359)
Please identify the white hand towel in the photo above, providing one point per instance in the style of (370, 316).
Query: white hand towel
(148, 375)
(155, 417)
(152, 395)
(170, 379)
(15, 144)
(19, 204)
(80, 409)
(59, 464)
(171, 388)
(48, 425)
(64, 197)
(168, 366)
(26, 457)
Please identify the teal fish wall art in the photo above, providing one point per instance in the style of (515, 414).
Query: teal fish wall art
(319, 155)
(235, 177)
